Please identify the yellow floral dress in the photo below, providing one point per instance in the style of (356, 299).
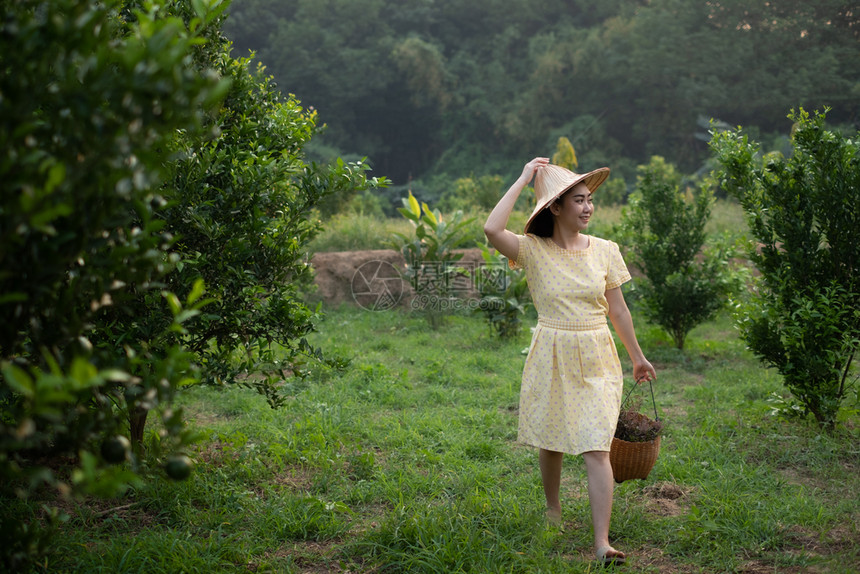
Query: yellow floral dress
(571, 387)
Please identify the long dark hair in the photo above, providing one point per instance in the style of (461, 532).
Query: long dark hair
(542, 224)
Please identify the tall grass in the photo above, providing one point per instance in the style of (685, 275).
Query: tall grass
(407, 462)
(357, 231)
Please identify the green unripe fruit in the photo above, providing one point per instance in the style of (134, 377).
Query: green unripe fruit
(178, 466)
(115, 449)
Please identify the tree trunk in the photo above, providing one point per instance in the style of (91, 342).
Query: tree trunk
(136, 423)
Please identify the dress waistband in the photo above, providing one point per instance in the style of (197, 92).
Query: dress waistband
(586, 325)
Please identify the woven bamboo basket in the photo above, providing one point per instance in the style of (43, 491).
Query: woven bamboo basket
(631, 460)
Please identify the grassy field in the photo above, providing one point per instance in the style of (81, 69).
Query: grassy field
(407, 462)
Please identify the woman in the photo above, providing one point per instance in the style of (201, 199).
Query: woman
(571, 387)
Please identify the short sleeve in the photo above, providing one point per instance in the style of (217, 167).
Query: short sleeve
(617, 275)
(523, 253)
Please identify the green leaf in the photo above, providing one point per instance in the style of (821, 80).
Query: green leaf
(430, 216)
(115, 375)
(173, 302)
(19, 380)
(186, 314)
(83, 374)
(218, 92)
(12, 297)
(201, 8)
(56, 176)
(197, 291)
(413, 206)
(407, 214)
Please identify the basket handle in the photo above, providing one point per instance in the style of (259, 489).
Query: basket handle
(653, 402)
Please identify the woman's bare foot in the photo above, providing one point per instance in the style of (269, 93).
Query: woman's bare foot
(609, 555)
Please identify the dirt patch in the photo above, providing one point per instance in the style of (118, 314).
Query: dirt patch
(666, 498)
(201, 417)
(805, 479)
(212, 454)
(295, 478)
(836, 540)
(655, 559)
(647, 559)
(370, 517)
(371, 279)
(311, 557)
(755, 567)
(666, 491)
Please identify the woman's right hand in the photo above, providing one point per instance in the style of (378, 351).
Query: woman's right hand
(531, 168)
(643, 372)
(506, 242)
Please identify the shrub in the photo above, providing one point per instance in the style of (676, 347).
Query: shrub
(504, 292)
(565, 155)
(92, 95)
(613, 192)
(240, 199)
(241, 206)
(366, 204)
(664, 234)
(430, 257)
(471, 192)
(804, 315)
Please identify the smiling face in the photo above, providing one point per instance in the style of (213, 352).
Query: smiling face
(574, 209)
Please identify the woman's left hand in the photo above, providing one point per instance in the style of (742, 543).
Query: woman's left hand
(643, 372)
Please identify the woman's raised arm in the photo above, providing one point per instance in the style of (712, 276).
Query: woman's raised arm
(507, 242)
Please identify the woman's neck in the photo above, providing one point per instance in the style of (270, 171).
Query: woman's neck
(570, 240)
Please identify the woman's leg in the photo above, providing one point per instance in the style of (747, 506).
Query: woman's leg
(599, 494)
(550, 471)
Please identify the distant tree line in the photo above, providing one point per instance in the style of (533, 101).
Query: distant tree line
(454, 88)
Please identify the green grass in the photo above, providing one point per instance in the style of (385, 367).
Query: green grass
(407, 462)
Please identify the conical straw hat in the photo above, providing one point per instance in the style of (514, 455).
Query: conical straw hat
(551, 181)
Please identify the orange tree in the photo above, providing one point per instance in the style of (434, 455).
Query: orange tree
(239, 204)
(141, 167)
(686, 279)
(804, 315)
(91, 95)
